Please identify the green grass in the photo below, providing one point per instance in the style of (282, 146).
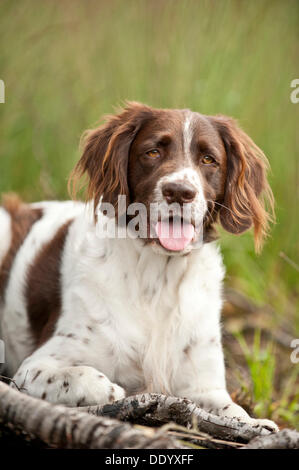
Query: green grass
(66, 63)
(262, 363)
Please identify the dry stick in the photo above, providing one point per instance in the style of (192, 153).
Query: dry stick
(155, 409)
(286, 439)
(59, 426)
(201, 438)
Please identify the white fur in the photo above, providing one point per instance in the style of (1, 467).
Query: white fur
(132, 320)
(187, 133)
(123, 291)
(194, 210)
(14, 322)
(5, 239)
(133, 317)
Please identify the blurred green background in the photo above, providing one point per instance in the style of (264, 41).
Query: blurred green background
(65, 63)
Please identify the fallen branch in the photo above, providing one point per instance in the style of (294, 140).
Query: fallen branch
(59, 426)
(286, 439)
(154, 409)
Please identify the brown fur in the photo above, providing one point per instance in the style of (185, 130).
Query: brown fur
(247, 188)
(236, 191)
(43, 292)
(105, 155)
(22, 219)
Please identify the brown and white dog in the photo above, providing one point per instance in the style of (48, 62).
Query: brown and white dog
(87, 319)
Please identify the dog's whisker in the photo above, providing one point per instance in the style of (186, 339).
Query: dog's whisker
(222, 205)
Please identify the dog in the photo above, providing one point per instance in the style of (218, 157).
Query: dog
(89, 318)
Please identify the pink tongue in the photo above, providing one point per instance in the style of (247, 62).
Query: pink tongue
(174, 237)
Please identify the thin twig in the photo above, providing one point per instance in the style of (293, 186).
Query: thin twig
(12, 381)
(289, 260)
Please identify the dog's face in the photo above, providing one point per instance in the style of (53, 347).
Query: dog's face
(177, 169)
(188, 170)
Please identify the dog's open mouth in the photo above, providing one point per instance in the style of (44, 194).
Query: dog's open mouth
(174, 233)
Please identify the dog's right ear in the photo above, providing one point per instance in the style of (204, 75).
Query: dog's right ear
(106, 154)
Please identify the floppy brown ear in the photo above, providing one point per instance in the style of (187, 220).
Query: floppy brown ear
(247, 192)
(106, 153)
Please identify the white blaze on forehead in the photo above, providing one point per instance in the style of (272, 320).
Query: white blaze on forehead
(187, 172)
(187, 133)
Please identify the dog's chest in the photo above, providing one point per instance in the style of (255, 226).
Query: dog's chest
(141, 306)
(148, 304)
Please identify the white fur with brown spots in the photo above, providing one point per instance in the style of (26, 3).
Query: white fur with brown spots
(132, 318)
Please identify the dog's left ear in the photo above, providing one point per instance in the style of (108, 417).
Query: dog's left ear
(247, 192)
(106, 153)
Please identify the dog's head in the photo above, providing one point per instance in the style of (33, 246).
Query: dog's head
(188, 169)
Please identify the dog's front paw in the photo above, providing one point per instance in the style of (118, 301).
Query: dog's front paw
(232, 410)
(71, 386)
(265, 423)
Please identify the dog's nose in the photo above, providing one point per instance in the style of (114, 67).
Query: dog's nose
(180, 192)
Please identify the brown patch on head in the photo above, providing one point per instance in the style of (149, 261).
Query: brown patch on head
(163, 133)
(182, 139)
(43, 291)
(137, 147)
(115, 156)
(23, 217)
(106, 153)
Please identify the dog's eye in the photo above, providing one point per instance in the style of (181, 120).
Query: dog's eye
(207, 160)
(153, 153)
